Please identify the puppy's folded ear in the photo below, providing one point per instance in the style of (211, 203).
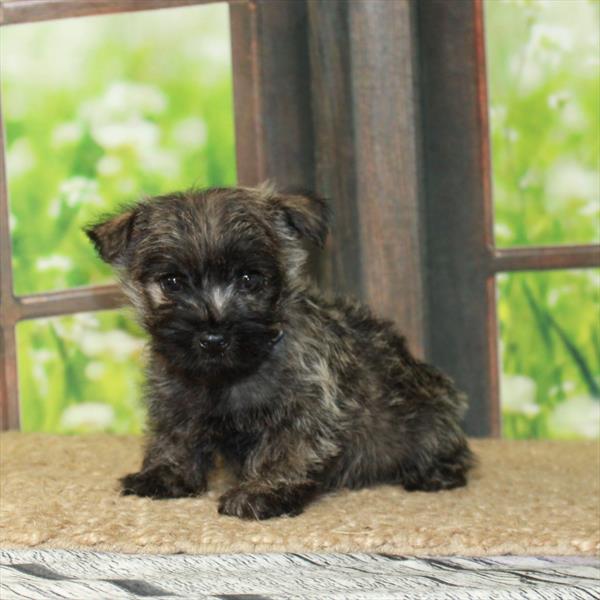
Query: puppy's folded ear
(111, 236)
(306, 214)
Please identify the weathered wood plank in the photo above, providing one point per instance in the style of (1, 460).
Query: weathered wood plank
(551, 257)
(365, 107)
(9, 399)
(271, 93)
(67, 302)
(462, 326)
(29, 11)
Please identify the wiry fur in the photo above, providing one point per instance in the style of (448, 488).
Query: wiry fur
(310, 395)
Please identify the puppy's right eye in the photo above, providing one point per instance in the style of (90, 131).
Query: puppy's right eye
(251, 282)
(171, 283)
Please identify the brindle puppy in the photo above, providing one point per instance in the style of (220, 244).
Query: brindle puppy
(299, 394)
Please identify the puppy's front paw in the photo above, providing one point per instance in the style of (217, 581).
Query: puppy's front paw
(156, 482)
(258, 502)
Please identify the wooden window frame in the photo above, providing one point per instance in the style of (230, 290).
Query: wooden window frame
(381, 107)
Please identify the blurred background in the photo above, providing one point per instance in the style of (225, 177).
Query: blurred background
(102, 110)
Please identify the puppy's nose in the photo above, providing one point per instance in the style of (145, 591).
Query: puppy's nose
(213, 343)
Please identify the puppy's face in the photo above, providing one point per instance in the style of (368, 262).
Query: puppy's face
(209, 271)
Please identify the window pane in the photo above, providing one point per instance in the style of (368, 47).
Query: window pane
(81, 373)
(550, 353)
(100, 111)
(543, 60)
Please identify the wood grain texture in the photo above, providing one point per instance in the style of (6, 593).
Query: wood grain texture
(462, 326)
(271, 93)
(365, 106)
(551, 257)
(9, 400)
(29, 11)
(66, 302)
(9, 393)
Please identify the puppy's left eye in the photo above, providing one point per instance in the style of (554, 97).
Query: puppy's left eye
(251, 282)
(172, 283)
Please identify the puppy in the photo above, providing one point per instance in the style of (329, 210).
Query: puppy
(297, 393)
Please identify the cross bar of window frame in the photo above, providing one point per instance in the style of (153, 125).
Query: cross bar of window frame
(13, 12)
(537, 258)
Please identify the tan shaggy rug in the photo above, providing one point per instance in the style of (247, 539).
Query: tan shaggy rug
(526, 498)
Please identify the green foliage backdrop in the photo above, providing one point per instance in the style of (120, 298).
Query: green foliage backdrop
(544, 91)
(98, 112)
(102, 110)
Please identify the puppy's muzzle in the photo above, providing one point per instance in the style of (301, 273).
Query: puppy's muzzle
(213, 343)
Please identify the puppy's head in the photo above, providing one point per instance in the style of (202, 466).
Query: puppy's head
(209, 271)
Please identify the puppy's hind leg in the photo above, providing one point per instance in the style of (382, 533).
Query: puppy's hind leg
(422, 471)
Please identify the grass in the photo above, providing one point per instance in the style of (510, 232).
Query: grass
(544, 90)
(99, 112)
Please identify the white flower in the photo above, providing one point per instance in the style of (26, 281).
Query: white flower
(512, 135)
(87, 415)
(127, 186)
(593, 62)
(109, 165)
(122, 101)
(544, 36)
(559, 99)
(78, 190)
(190, 132)
(214, 51)
(38, 359)
(128, 97)
(41, 378)
(56, 261)
(553, 297)
(33, 51)
(72, 328)
(530, 73)
(135, 133)
(116, 343)
(518, 395)
(502, 231)
(571, 113)
(498, 114)
(85, 321)
(67, 133)
(95, 370)
(565, 387)
(529, 180)
(54, 208)
(41, 356)
(154, 160)
(592, 276)
(574, 118)
(591, 209)
(568, 179)
(576, 417)
(545, 50)
(20, 157)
